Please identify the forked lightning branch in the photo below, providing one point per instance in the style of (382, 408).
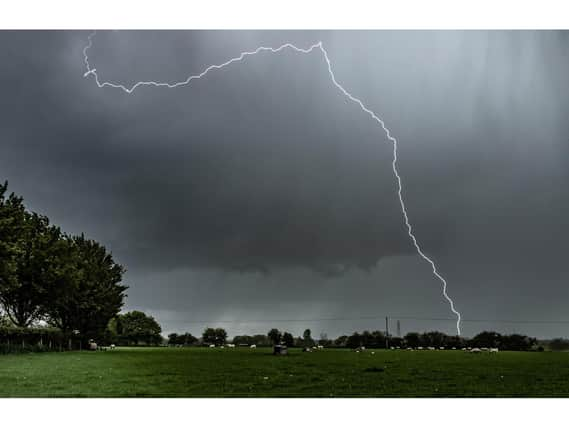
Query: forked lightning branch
(318, 47)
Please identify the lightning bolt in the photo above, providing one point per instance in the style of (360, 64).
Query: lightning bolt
(348, 95)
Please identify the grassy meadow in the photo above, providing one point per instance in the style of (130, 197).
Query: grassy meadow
(244, 372)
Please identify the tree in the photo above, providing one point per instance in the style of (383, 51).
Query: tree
(341, 341)
(216, 336)
(433, 339)
(136, 326)
(30, 267)
(243, 340)
(307, 338)
(12, 217)
(559, 344)
(187, 339)
(288, 339)
(275, 336)
(85, 291)
(412, 339)
(354, 341)
(517, 342)
(173, 339)
(486, 339)
(261, 340)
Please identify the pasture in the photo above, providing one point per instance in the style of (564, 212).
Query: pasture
(244, 372)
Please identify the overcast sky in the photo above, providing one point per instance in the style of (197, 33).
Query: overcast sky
(259, 192)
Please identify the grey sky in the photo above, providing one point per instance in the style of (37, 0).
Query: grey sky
(259, 192)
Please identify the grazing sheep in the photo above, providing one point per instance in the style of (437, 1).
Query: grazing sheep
(419, 348)
(253, 346)
(454, 348)
(475, 350)
(430, 348)
(231, 345)
(464, 349)
(484, 348)
(212, 346)
(320, 347)
(494, 350)
(441, 348)
(112, 347)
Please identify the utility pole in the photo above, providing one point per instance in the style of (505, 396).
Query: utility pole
(386, 332)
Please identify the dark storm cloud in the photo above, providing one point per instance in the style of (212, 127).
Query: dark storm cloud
(265, 167)
(238, 174)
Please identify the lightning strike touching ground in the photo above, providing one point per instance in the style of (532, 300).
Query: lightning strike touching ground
(320, 47)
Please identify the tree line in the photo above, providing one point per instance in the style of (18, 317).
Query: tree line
(53, 278)
(367, 339)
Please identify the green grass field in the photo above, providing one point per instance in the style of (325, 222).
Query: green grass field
(204, 372)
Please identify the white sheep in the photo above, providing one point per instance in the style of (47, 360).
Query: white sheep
(231, 345)
(475, 350)
(320, 347)
(112, 346)
(430, 348)
(253, 346)
(494, 350)
(212, 346)
(441, 348)
(419, 348)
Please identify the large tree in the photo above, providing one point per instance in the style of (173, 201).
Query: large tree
(27, 253)
(86, 287)
(136, 327)
(12, 217)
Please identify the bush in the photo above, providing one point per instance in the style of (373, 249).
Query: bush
(27, 340)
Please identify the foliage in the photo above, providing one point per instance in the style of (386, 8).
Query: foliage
(70, 281)
(25, 340)
(135, 327)
(27, 254)
(275, 336)
(87, 291)
(182, 339)
(307, 338)
(413, 339)
(559, 344)
(354, 340)
(288, 339)
(216, 336)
